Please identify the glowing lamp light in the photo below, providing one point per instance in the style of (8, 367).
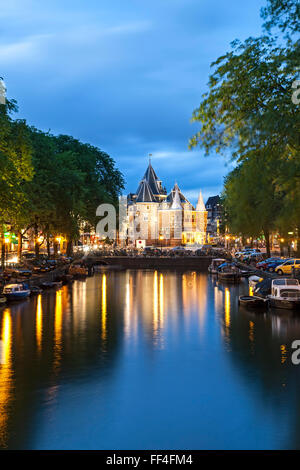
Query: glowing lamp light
(282, 240)
(58, 239)
(6, 240)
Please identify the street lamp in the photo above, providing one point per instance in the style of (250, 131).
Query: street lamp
(161, 237)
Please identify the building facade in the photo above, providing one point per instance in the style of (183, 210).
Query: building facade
(158, 218)
(214, 216)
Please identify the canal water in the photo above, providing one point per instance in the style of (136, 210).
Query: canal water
(147, 360)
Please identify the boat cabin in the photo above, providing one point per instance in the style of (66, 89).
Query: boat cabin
(13, 288)
(286, 289)
(217, 262)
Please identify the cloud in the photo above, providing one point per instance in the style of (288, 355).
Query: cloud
(124, 77)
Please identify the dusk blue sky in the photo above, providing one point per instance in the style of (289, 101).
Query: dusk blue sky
(124, 76)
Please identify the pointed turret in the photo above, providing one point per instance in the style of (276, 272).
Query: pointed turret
(200, 204)
(152, 180)
(176, 204)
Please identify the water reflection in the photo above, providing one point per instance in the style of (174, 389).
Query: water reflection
(104, 307)
(5, 375)
(122, 352)
(39, 322)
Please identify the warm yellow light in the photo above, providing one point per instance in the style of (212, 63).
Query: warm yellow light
(155, 301)
(104, 307)
(282, 240)
(227, 237)
(40, 239)
(7, 240)
(161, 237)
(227, 307)
(39, 321)
(58, 239)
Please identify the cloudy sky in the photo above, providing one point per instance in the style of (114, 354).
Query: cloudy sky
(123, 75)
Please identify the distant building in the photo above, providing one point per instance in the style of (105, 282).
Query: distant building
(158, 218)
(214, 215)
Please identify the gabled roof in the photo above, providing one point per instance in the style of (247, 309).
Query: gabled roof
(213, 200)
(144, 192)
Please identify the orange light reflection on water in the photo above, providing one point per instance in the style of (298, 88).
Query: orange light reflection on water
(5, 374)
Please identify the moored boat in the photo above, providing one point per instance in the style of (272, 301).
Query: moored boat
(35, 290)
(16, 291)
(78, 271)
(229, 276)
(52, 285)
(285, 293)
(213, 267)
(251, 301)
(229, 272)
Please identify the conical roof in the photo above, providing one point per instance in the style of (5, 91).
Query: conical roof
(200, 204)
(152, 179)
(144, 192)
(176, 204)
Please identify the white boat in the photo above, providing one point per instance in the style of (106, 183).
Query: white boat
(285, 293)
(212, 268)
(16, 291)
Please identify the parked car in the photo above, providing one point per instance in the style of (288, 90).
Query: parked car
(287, 266)
(264, 264)
(243, 253)
(271, 264)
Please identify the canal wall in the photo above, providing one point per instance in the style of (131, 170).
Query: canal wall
(200, 263)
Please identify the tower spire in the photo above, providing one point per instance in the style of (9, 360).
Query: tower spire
(176, 204)
(200, 203)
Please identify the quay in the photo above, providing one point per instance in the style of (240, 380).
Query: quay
(200, 263)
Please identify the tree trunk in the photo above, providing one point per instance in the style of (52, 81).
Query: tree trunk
(267, 237)
(48, 246)
(69, 248)
(36, 243)
(2, 251)
(20, 246)
(55, 247)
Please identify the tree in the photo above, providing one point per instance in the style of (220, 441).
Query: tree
(15, 166)
(102, 181)
(251, 198)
